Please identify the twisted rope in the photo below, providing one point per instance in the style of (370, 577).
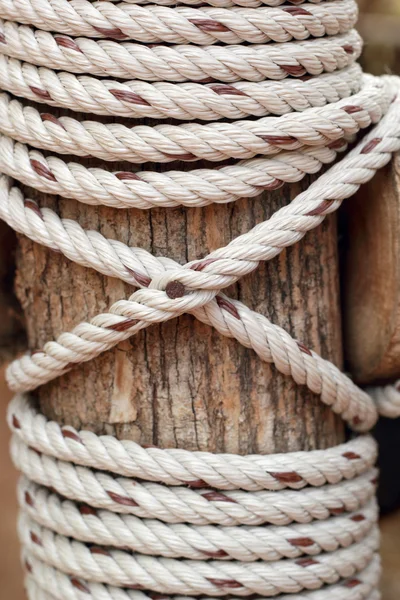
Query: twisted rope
(108, 519)
(150, 536)
(387, 399)
(215, 141)
(194, 504)
(127, 317)
(362, 587)
(180, 25)
(177, 467)
(202, 186)
(225, 3)
(80, 563)
(167, 575)
(321, 377)
(180, 101)
(177, 63)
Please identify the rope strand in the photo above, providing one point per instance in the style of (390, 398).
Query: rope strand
(183, 101)
(177, 62)
(274, 89)
(181, 24)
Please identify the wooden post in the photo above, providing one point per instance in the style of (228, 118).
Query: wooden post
(371, 305)
(371, 269)
(181, 384)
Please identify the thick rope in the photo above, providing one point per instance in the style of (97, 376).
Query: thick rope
(190, 504)
(246, 177)
(181, 25)
(387, 399)
(150, 536)
(362, 587)
(177, 467)
(184, 101)
(176, 63)
(225, 3)
(216, 141)
(212, 577)
(108, 519)
(86, 560)
(124, 318)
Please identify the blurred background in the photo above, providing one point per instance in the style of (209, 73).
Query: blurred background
(380, 26)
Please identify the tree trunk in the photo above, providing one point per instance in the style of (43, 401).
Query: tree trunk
(181, 384)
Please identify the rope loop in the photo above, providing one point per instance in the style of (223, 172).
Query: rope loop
(266, 92)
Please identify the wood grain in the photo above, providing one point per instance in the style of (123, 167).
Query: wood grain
(371, 269)
(181, 383)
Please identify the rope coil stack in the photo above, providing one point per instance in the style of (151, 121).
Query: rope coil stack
(274, 87)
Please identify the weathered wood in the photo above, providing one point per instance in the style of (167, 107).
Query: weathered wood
(181, 384)
(371, 286)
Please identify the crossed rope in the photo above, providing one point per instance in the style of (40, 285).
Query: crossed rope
(108, 519)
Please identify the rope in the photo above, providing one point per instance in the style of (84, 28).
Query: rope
(181, 25)
(209, 577)
(226, 3)
(182, 101)
(356, 588)
(123, 566)
(178, 63)
(177, 467)
(215, 141)
(266, 240)
(108, 519)
(387, 399)
(85, 562)
(150, 536)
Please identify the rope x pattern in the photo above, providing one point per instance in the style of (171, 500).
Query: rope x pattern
(108, 519)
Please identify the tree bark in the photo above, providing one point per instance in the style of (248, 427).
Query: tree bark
(181, 384)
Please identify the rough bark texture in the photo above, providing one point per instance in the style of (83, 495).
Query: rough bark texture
(181, 384)
(372, 278)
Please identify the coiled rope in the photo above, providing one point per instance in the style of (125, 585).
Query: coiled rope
(108, 519)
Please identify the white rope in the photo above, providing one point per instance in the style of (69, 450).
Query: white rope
(108, 519)
(362, 587)
(177, 467)
(182, 101)
(226, 3)
(197, 505)
(110, 257)
(121, 322)
(78, 560)
(387, 399)
(176, 63)
(166, 143)
(216, 141)
(170, 576)
(199, 187)
(180, 24)
(150, 536)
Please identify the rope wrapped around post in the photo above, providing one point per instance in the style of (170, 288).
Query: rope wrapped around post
(271, 102)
